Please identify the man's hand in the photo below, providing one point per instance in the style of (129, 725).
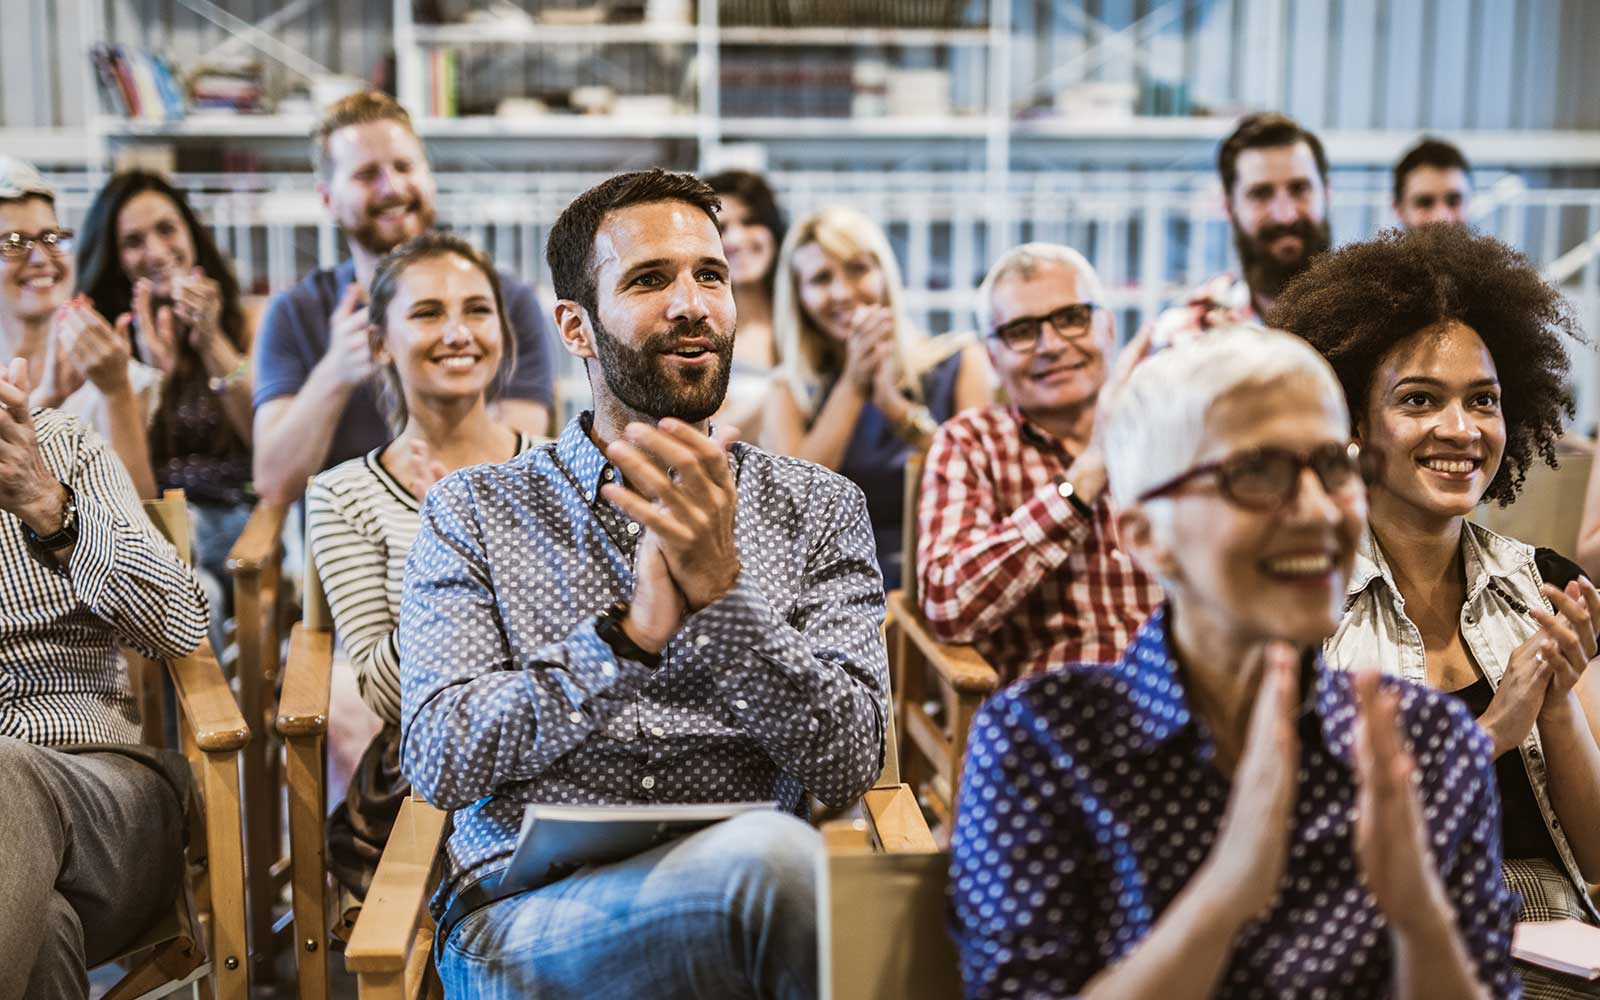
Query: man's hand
(679, 486)
(97, 350)
(350, 338)
(1391, 836)
(28, 488)
(1088, 471)
(656, 610)
(1247, 862)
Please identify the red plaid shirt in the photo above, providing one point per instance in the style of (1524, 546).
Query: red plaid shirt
(1007, 564)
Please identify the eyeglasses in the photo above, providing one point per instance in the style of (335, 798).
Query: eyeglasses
(1022, 334)
(56, 243)
(1266, 479)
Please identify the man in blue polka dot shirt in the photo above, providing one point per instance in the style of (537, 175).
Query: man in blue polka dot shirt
(1217, 814)
(639, 613)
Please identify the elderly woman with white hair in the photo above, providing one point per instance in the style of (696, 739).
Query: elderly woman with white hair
(860, 387)
(1218, 813)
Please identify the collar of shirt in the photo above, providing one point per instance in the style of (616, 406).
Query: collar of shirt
(582, 458)
(1038, 436)
(1160, 710)
(1485, 556)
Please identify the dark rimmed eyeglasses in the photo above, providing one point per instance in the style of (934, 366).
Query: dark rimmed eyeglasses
(1266, 479)
(1022, 334)
(56, 243)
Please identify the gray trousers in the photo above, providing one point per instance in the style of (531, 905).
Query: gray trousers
(91, 854)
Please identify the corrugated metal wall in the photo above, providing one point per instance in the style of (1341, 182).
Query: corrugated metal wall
(1401, 64)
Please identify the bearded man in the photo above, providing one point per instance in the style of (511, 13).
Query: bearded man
(1275, 190)
(316, 403)
(641, 613)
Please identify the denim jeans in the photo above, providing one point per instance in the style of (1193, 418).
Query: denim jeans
(728, 912)
(216, 527)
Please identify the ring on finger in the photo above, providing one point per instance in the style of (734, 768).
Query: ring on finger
(1539, 658)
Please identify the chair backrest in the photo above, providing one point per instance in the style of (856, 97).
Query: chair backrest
(1549, 509)
(908, 526)
(171, 515)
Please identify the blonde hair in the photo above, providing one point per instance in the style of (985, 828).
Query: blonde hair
(803, 349)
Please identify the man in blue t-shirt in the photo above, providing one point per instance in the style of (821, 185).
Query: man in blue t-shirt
(316, 403)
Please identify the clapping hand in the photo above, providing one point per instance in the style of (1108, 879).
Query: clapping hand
(869, 346)
(681, 489)
(28, 488)
(416, 468)
(1572, 637)
(350, 337)
(197, 301)
(92, 346)
(154, 329)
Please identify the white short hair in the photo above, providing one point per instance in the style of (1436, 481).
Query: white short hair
(1155, 424)
(1024, 259)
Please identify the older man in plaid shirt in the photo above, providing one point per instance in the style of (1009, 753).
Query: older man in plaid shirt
(1016, 554)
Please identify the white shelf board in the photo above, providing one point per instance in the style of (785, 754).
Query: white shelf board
(553, 34)
(558, 126)
(943, 127)
(905, 37)
(210, 126)
(50, 145)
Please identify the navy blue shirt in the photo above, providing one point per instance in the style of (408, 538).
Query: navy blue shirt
(1091, 797)
(294, 337)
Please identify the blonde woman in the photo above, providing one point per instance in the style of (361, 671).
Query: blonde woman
(859, 388)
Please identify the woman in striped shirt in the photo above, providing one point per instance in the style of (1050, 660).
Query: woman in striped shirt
(441, 342)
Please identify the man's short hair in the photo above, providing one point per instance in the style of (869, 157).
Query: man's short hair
(1265, 130)
(570, 248)
(361, 108)
(1024, 260)
(1430, 152)
(1155, 424)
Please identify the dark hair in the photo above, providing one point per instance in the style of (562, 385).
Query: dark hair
(360, 108)
(1430, 152)
(1264, 130)
(1357, 303)
(753, 190)
(570, 248)
(100, 276)
(385, 282)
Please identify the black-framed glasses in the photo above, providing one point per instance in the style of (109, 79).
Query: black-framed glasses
(1071, 322)
(56, 243)
(1266, 479)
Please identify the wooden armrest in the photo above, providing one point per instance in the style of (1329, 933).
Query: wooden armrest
(962, 666)
(397, 899)
(307, 676)
(257, 546)
(208, 704)
(897, 821)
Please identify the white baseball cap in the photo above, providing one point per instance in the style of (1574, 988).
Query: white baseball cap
(18, 179)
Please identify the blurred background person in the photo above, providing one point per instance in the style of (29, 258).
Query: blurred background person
(752, 230)
(860, 387)
(1432, 183)
(142, 251)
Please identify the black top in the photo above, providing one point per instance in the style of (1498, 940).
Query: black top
(1522, 831)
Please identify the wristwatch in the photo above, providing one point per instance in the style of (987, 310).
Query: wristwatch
(609, 628)
(65, 536)
(1070, 495)
(918, 422)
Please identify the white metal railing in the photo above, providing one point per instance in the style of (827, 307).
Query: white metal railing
(1151, 234)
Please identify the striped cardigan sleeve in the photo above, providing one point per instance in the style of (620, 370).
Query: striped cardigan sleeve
(352, 560)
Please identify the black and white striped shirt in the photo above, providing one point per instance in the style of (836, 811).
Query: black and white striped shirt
(360, 523)
(62, 676)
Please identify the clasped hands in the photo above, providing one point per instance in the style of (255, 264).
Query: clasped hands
(1246, 864)
(1538, 682)
(679, 487)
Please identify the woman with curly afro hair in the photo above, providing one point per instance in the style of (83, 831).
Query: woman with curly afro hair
(1452, 353)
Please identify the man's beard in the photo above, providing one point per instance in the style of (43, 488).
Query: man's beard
(367, 232)
(1267, 273)
(636, 375)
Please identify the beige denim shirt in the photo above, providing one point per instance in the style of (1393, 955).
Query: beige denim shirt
(1502, 584)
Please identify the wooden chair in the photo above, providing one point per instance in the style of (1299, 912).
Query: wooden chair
(203, 938)
(260, 596)
(1550, 507)
(391, 948)
(926, 671)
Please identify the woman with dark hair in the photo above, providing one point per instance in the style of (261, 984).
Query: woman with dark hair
(1452, 352)
(442, 341)
(143, 254)
(752, 229)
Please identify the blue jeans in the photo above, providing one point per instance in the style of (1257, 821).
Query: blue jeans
(216, 528)
(728, 912)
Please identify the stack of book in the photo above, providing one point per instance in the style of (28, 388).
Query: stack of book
(138, 84)
(441, 83)
(234, 88)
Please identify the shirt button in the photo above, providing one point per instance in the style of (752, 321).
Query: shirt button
(648, 781)
(741, 703)
(575, 716)
(657, 731)
(702, 641)
(607, 475)
(633, 527)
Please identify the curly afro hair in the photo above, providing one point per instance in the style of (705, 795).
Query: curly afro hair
(1356, 304)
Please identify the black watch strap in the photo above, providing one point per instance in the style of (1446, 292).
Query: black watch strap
(64, 536)
(1070, 494)
(609, 628)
